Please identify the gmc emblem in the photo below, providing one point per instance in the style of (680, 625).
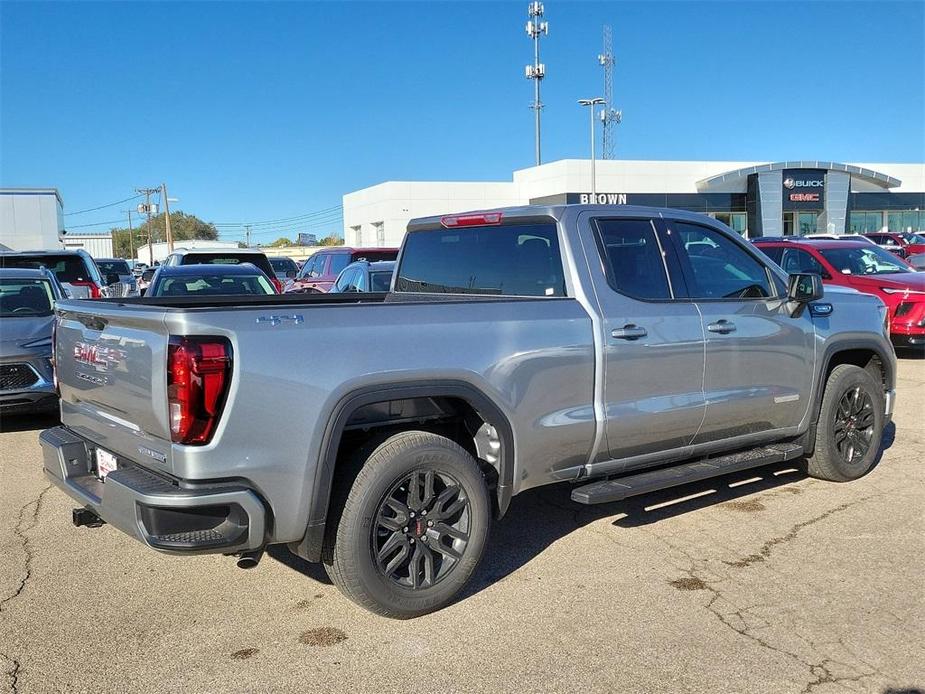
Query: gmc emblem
(88, 354)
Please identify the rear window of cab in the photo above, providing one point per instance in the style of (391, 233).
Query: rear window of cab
(511, 260)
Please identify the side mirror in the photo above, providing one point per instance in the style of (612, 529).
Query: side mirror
(290, 274)
(113, 278)
(804, 287)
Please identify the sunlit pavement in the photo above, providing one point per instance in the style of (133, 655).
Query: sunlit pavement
(764, 581)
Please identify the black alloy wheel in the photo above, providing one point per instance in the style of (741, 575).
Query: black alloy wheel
(421, 529)
(854, 424)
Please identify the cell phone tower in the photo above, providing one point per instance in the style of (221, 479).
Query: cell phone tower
(610, 117)
(536, 72)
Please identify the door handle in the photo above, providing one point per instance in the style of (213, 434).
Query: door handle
(629, 332)
(723, 327)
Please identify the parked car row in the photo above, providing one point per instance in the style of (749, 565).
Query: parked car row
(862, 266)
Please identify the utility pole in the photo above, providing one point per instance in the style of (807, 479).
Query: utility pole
(537, 71)
(148, 192)
(610, 117)
(591, 103)
(247, 235)
(167, 218)
(131, 234)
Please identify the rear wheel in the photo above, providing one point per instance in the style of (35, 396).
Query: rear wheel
(413, 526)
(850, 425)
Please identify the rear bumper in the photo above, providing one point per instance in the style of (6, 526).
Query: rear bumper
(907, 340)
(175, 516)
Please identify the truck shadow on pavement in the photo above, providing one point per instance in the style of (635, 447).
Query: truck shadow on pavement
(26, 422)
(539, 517)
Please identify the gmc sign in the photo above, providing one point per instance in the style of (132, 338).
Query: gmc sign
(804, 189)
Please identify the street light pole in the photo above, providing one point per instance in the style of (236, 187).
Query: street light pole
(591, 103)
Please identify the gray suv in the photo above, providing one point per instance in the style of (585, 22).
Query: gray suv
(27, 299)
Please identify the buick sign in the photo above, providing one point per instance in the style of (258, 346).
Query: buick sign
(804, 189)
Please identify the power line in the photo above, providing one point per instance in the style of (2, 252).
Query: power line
(96, 224)
(267, 222)
(286, 227)
(94, 209)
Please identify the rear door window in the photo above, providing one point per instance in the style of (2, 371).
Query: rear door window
(633, 258)
(512, 260)
(715, 267)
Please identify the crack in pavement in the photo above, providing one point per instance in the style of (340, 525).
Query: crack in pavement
(26, 521)
(820, 671)
(13, 674)
(768, 546)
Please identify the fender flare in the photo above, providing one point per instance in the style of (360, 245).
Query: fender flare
(830, 351)
(310, 546)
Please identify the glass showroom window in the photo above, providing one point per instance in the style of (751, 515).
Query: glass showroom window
(807, 223)
(865, 222)
(904, 221)
(734, 220)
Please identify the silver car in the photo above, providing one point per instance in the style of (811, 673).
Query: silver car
(27, 300)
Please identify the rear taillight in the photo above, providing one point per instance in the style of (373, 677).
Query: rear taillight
(94, 289)
(278, 284)
(198, 375)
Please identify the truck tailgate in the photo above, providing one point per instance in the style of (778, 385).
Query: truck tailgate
(111, 367)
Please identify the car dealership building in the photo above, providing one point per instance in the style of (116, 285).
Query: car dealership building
(754, 198)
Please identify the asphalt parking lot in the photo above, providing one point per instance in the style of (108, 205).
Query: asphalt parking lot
(765, 581)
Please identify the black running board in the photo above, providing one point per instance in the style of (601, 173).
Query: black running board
(606, 491)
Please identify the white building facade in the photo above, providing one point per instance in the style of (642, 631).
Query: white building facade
(97, 245)
(754, 198)
(31, 218)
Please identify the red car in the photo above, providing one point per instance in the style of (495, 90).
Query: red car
(902, 243)
(320, 270)
(864, 267)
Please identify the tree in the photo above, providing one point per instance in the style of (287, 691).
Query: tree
(331, 241)
(281, 242)
(183, 227)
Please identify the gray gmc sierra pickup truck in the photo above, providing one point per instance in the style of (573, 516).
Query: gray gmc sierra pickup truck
(620, 349)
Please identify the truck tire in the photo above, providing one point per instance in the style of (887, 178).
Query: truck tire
(413, 526)
(850, 425)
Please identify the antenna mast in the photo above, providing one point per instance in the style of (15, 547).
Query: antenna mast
(537, 71)
(610, 117)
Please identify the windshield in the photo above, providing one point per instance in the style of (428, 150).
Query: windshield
(109, 267)
(68, 269)
(864, 261)
(212, 285)
(283, 265)
(258, 260)
(912, 238)
(25, 298)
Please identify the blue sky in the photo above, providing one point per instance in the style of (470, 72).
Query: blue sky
(255, 111)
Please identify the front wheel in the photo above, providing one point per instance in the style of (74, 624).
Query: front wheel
(413, 526)
(850, 425)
